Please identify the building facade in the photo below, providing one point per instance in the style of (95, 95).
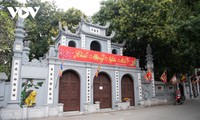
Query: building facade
(95, 74)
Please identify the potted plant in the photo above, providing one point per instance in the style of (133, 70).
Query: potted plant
(126, 99)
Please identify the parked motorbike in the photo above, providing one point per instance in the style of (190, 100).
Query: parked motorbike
(179, 99)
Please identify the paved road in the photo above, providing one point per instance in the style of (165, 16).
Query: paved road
(190, 110)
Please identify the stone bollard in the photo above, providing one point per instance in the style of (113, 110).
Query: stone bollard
(25, 112)
(60, 109)
(97, 103)
(148, 102)
(46, 110)
(86, 107)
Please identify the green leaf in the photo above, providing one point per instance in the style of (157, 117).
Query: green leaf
(23, 95)
(29, 85)
(23, 84)
(40, 84)
(36, 87)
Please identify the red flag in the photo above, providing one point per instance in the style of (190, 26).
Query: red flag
(164, 77)
(174, 80)
(148, 75)
(97, 72)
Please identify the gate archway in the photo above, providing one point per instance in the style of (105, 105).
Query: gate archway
(69, 91)
(127, 88)
(102, 90)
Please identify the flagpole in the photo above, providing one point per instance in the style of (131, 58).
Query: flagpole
(98, 69)
(177, 82)
(57, 80)
(177, 85)
(197, 86)
(58, 77)
(59, 74)
(190, 84)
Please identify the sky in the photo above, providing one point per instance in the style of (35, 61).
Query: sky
(89, 7)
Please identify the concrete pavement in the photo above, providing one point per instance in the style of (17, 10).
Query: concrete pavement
(190, 110)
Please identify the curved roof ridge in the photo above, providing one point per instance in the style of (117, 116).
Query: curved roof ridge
(66, 31)
(119, 44)
(96, 25)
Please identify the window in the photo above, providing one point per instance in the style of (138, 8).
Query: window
(72, 44)
(95, 46)
(160, 88)
(170, 88)
(114, 51)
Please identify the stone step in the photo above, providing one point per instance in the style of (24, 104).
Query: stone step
(71, 113)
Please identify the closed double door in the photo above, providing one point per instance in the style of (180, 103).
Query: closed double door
(102, 91)
(127, 88)
(69, 91)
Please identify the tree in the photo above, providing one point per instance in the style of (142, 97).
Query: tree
(45, 25)
(141, 22)
(160, 23)
(71, 18)
(188, 36)
(39, 29)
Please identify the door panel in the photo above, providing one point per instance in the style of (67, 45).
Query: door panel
(69, 91)
(127, 88)
(102, 90)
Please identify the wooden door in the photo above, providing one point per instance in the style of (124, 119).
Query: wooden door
(69, 92)
(127, 88)
(102, 90)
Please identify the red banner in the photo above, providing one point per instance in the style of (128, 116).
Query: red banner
(70, 53)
